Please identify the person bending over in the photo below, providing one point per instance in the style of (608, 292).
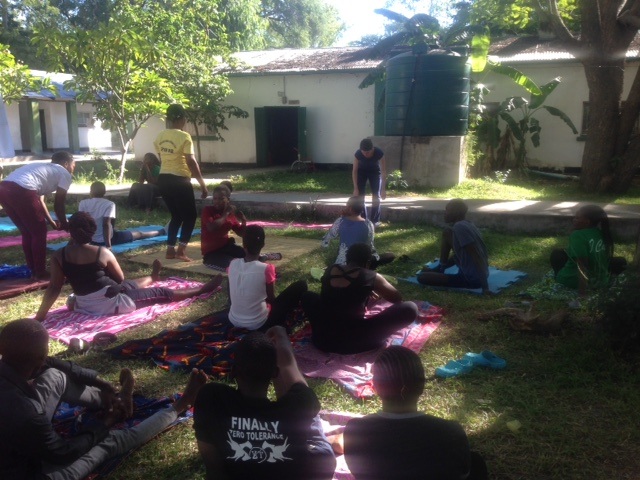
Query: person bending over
(32, 385)
(22, 197)
(351, 228)
(470, 253)
(251, 288)
(369, 165)
(97, 280)
(143, 193)
(218, 219)
(585, 263)
(103, 212)
(242, 434)
(400, 442)
(337, 315)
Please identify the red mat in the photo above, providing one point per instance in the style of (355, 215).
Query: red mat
(17, 286)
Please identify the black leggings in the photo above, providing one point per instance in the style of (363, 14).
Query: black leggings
(354, 335)
(285, 304)
(221, 258)
(177, 193)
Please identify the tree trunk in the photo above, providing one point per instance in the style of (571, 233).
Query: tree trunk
(636, 256)
(199, 157)
(604, 79)
(123, 160)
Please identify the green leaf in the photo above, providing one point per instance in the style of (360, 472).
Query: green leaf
(560, 114)
(515, 75)
(546, 89)
(513, 126)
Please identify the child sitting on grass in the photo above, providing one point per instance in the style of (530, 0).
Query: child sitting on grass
(251, 288)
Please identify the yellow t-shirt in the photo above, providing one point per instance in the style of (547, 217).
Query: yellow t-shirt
(172, 145)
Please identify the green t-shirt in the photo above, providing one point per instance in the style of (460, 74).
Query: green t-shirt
(586, 243)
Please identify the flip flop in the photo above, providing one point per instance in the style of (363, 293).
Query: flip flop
(317, 272)
(486, 359)
(453, 368)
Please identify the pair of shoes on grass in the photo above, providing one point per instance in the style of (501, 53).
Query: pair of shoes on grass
(471, 360)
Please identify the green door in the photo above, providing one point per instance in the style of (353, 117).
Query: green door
(261, 137)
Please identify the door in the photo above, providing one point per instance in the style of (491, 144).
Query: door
(43, 130)
(280, 135)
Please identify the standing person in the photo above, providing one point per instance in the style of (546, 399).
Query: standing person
(369, 165)
(179, 165)
(143, 193)
(243, 435)
(103, 212)
(337, 315)
(217, 220)
(22, 197)
(401, 442)
(350, 229)
(470, 253)
(585, 262)
(32, 385)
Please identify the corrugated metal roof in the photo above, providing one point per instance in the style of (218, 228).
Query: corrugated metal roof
(304, 60)
(58, 92)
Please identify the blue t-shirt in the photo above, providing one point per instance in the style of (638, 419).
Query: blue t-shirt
(466, 233)
(369, 164)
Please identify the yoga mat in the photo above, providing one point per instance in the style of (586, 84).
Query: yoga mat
(289, 247)
(353, 371)
(8, 272)
(498, 279)
(64, 324)
(7, 225)
(125, 247)
(68, 420)
(283, 225)
(52, 235)
(17, 286)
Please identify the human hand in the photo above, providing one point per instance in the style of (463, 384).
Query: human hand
(241, 216)
(383, 195)
(205, 193)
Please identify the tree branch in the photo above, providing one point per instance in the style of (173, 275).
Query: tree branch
(552, 15)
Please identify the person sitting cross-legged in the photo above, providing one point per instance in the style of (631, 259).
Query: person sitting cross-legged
(352, 228)
(242, 434)
(470, 253)
(337, 315)
(400, 442)
(31, 387)
(103, 211)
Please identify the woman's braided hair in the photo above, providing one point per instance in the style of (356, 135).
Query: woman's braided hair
(82, 227)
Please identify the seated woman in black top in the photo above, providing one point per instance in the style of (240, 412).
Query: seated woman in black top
(337, 315)
(98, 281)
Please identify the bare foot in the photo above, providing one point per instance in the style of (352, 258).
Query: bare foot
(197, 378)
(155, 270)
(183, 257)
(126, 392)
(171, 253)
(211, 285)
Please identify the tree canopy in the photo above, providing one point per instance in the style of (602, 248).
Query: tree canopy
(15, 77)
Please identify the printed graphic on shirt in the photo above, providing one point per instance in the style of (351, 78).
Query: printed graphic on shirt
(256, 441)
(167, 146)
(596, 247)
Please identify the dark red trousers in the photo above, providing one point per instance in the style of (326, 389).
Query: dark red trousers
(25, 210)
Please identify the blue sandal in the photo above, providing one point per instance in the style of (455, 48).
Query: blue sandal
(486, 359)
(453, 368)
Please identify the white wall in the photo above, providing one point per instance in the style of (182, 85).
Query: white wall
(13, 115)
(559, 147)
(339, 115)
(55, 115)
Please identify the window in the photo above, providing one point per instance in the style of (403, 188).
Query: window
(84, 120)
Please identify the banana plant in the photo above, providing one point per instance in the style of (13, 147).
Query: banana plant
(520, 116)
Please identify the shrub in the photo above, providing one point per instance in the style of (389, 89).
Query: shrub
(395, 181)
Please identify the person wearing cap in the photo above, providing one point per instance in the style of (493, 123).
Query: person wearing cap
(22, 197)
(369, 166)
(178, 166)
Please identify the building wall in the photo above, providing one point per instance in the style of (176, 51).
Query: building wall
(13, 115)
(559, 147)
(339, 115)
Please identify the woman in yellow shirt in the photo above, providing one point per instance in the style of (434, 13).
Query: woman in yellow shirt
(179, 165)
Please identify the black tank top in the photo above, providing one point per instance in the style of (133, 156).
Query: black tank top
(86, 278)
(349, 301)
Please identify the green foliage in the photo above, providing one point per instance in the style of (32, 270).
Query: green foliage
(396, 181)
(498, 176)
(301, 23)
(144, 57)
(15, 78)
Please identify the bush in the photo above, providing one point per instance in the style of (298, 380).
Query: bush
(395, 181)
(618, 309)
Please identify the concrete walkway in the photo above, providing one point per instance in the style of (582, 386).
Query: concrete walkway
(530, 217)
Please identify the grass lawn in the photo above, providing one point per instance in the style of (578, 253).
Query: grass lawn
(576, 400)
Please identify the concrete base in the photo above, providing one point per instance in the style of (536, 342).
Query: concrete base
(438, 162)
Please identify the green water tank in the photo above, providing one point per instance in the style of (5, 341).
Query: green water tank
(427, 94)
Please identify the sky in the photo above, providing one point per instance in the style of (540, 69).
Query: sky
(360, 18)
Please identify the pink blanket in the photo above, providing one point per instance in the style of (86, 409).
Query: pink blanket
(353, 371)
(64, 325)
(17, 239)
(308, 226)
